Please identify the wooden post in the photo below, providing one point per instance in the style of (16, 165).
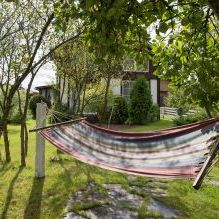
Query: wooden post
(203, 172)
(41, 111)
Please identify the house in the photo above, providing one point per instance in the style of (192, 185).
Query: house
(47, 91)
(120, 86)
(159, 88)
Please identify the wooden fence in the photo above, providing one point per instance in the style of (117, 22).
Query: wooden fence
(173, 111)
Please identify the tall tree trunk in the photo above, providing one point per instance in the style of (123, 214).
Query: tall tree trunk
(22, 132)
(6, 139)
(22, 136)
(208, 111)
(26, 139)
(63, 88)
(83, 100)
(105, 103)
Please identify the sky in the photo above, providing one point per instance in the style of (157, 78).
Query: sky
(45, 76)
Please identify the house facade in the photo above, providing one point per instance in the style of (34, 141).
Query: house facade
(47, 91)
(123, 86)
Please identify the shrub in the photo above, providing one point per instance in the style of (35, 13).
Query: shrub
(154, 113)
(15, 118)
(120, 111)
(33, 103)
(140, 102)
(183, 120)
(181, 111)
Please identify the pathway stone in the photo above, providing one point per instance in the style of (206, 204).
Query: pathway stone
(118, 203)
(111, 212)
(72, 215)
(167, 212)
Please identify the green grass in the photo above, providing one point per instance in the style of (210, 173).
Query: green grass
(23, 196)
(162, 124)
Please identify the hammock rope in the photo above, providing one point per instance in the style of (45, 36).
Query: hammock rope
(180, 152)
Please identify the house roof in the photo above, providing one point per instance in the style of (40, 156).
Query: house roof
(44, 87)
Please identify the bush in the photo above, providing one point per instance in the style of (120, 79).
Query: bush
(33, 103)
(91, 117)
(154, 113)
(15, 118)
(120, 111)
(183, 120)
(140, 102)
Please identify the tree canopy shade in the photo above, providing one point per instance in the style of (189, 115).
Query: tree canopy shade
(190, 57)
(124, 25)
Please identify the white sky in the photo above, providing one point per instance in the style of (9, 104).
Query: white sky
(45, 76)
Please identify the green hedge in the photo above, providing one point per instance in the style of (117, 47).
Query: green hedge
(33, 103)
(140, 102)
(120, 111)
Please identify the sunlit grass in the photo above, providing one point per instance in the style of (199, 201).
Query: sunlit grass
(151, 126)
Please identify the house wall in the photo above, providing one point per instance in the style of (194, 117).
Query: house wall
(64, 91)
(116, 88)
(48, 93)
(115, 85)
(164, 85)
(154, 90)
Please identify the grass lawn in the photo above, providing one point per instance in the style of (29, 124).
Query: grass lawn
(23, 196)
(157, 125)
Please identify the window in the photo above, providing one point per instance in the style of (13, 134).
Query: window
(126, 88)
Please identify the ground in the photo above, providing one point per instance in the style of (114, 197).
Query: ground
(23, 196)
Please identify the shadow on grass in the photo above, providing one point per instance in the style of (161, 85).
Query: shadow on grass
(33, 208)
(10, 194)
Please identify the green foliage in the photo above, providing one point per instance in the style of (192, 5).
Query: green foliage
(187, 119)
(120, 111)
(94, 101)
(177, 99)
(15, 118)
(14, 115)
(190, 58)
(140, 102)
(33, 103)
(154, 113)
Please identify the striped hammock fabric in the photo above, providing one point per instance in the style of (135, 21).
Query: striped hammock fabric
(172, 153)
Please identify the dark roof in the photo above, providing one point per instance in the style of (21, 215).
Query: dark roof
(135, 72)
(44, 87)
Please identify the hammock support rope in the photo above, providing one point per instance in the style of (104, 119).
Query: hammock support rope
(183, 152)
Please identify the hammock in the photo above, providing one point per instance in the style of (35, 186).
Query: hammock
(172, 153)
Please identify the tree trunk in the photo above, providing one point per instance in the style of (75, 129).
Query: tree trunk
(83, 100)
(22, 136)
(105, 103)
(6, 140)
(208, 111)
(26, 139)
(63, 88)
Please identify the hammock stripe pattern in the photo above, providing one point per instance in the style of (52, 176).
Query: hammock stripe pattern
(172, 153)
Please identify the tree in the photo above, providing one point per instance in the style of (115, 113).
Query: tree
(190, 62)
(119, 111)
(110, 68)
(140, 102)
(30, 41)
(76, 70)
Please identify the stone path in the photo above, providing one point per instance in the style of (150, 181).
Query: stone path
(111, 201)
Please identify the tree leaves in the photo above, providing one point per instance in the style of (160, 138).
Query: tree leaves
(163, 27)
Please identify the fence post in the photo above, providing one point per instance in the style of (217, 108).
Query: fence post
(41, 111)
